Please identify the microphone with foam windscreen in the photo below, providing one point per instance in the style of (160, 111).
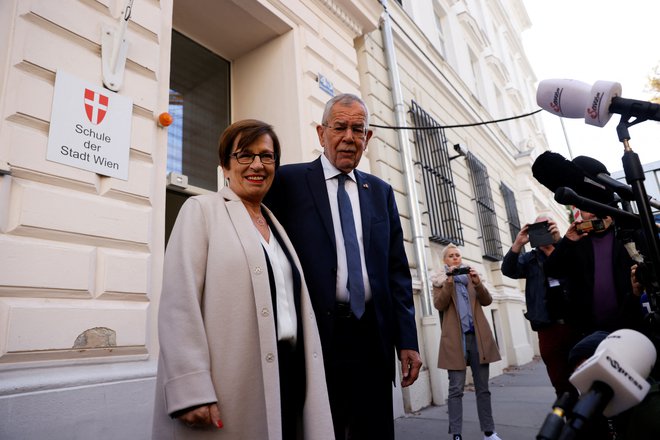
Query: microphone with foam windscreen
(553, 171)
(595, 103)
(613, 380)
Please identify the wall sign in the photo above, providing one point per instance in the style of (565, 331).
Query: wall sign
(90, 127)
(326, 85)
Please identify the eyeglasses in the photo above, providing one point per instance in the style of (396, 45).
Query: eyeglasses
(245, 158)
(339, 129)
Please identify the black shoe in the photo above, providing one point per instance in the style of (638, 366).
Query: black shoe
(457, 437)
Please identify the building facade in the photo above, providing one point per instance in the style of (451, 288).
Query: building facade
(81, 251)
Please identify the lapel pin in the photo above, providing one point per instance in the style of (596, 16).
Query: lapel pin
(365, 185)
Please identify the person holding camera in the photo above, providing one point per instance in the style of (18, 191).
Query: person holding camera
(545, 297)
(466, 339)
(593, 259)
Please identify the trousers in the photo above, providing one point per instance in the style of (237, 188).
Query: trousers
(480, 374)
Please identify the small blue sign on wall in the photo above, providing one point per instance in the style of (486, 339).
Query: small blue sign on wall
(326, 85)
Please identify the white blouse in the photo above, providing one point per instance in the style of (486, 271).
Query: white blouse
(287, 328)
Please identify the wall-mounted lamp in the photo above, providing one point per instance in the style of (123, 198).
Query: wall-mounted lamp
(165, 119)
(459, 150)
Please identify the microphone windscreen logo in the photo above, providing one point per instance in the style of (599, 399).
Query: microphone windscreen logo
(563, 97)
(622, 361)
(600, 97)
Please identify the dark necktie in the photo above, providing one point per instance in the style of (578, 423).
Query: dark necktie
(355, 283)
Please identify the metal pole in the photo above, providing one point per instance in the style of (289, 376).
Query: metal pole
(430, 323)
(568, 144)
(406, 159)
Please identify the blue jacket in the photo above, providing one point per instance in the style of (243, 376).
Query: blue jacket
(529, 265)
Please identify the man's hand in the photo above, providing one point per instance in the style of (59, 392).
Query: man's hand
(521, 239)
(202, 416)
(573, 234)
(411, 363)
(554, 230)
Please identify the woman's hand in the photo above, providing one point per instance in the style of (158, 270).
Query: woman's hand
(202, 416)
(450, 278)
(474, 276)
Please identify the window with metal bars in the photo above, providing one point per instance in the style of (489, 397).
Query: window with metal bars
(433, 159)
(490, 233)
(511, 211)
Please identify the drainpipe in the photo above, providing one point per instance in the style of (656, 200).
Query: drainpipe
(430, 324)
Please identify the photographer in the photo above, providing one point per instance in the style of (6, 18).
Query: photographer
(593, 259)
(466, 339)
(598, 269)
(546, 298)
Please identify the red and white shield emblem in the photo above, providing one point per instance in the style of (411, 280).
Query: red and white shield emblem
(96, 106)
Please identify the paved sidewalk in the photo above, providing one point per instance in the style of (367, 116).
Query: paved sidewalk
(521, 399)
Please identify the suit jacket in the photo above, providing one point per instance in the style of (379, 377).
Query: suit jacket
(217, 329)
(452, 346)
(299, 199)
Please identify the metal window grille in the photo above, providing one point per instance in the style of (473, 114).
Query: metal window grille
(511, 210)
(433, 159)
(490, 233)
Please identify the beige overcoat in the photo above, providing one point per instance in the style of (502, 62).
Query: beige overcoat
(217, 329)
(451, 355)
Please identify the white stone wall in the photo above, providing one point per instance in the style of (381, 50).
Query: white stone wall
(80, 253)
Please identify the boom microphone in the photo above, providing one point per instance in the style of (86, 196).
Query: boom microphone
(596, 103)
(566, 196)
(553, 171)
(597, 172)
(613, 379)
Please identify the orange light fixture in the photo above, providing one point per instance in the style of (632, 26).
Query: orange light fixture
(165, 119)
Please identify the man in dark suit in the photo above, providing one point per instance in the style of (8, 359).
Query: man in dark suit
(362, 296)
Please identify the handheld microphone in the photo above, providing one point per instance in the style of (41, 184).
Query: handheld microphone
(554, 422)
(613, 380)
(595, 103)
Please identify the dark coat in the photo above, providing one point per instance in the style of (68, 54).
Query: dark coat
(542, 308)
(299, 200)
(574, 260)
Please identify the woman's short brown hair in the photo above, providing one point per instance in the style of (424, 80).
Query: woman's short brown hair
(249, 131)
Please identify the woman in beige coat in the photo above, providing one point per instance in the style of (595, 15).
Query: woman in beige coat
(466, 339)
(240, 354)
